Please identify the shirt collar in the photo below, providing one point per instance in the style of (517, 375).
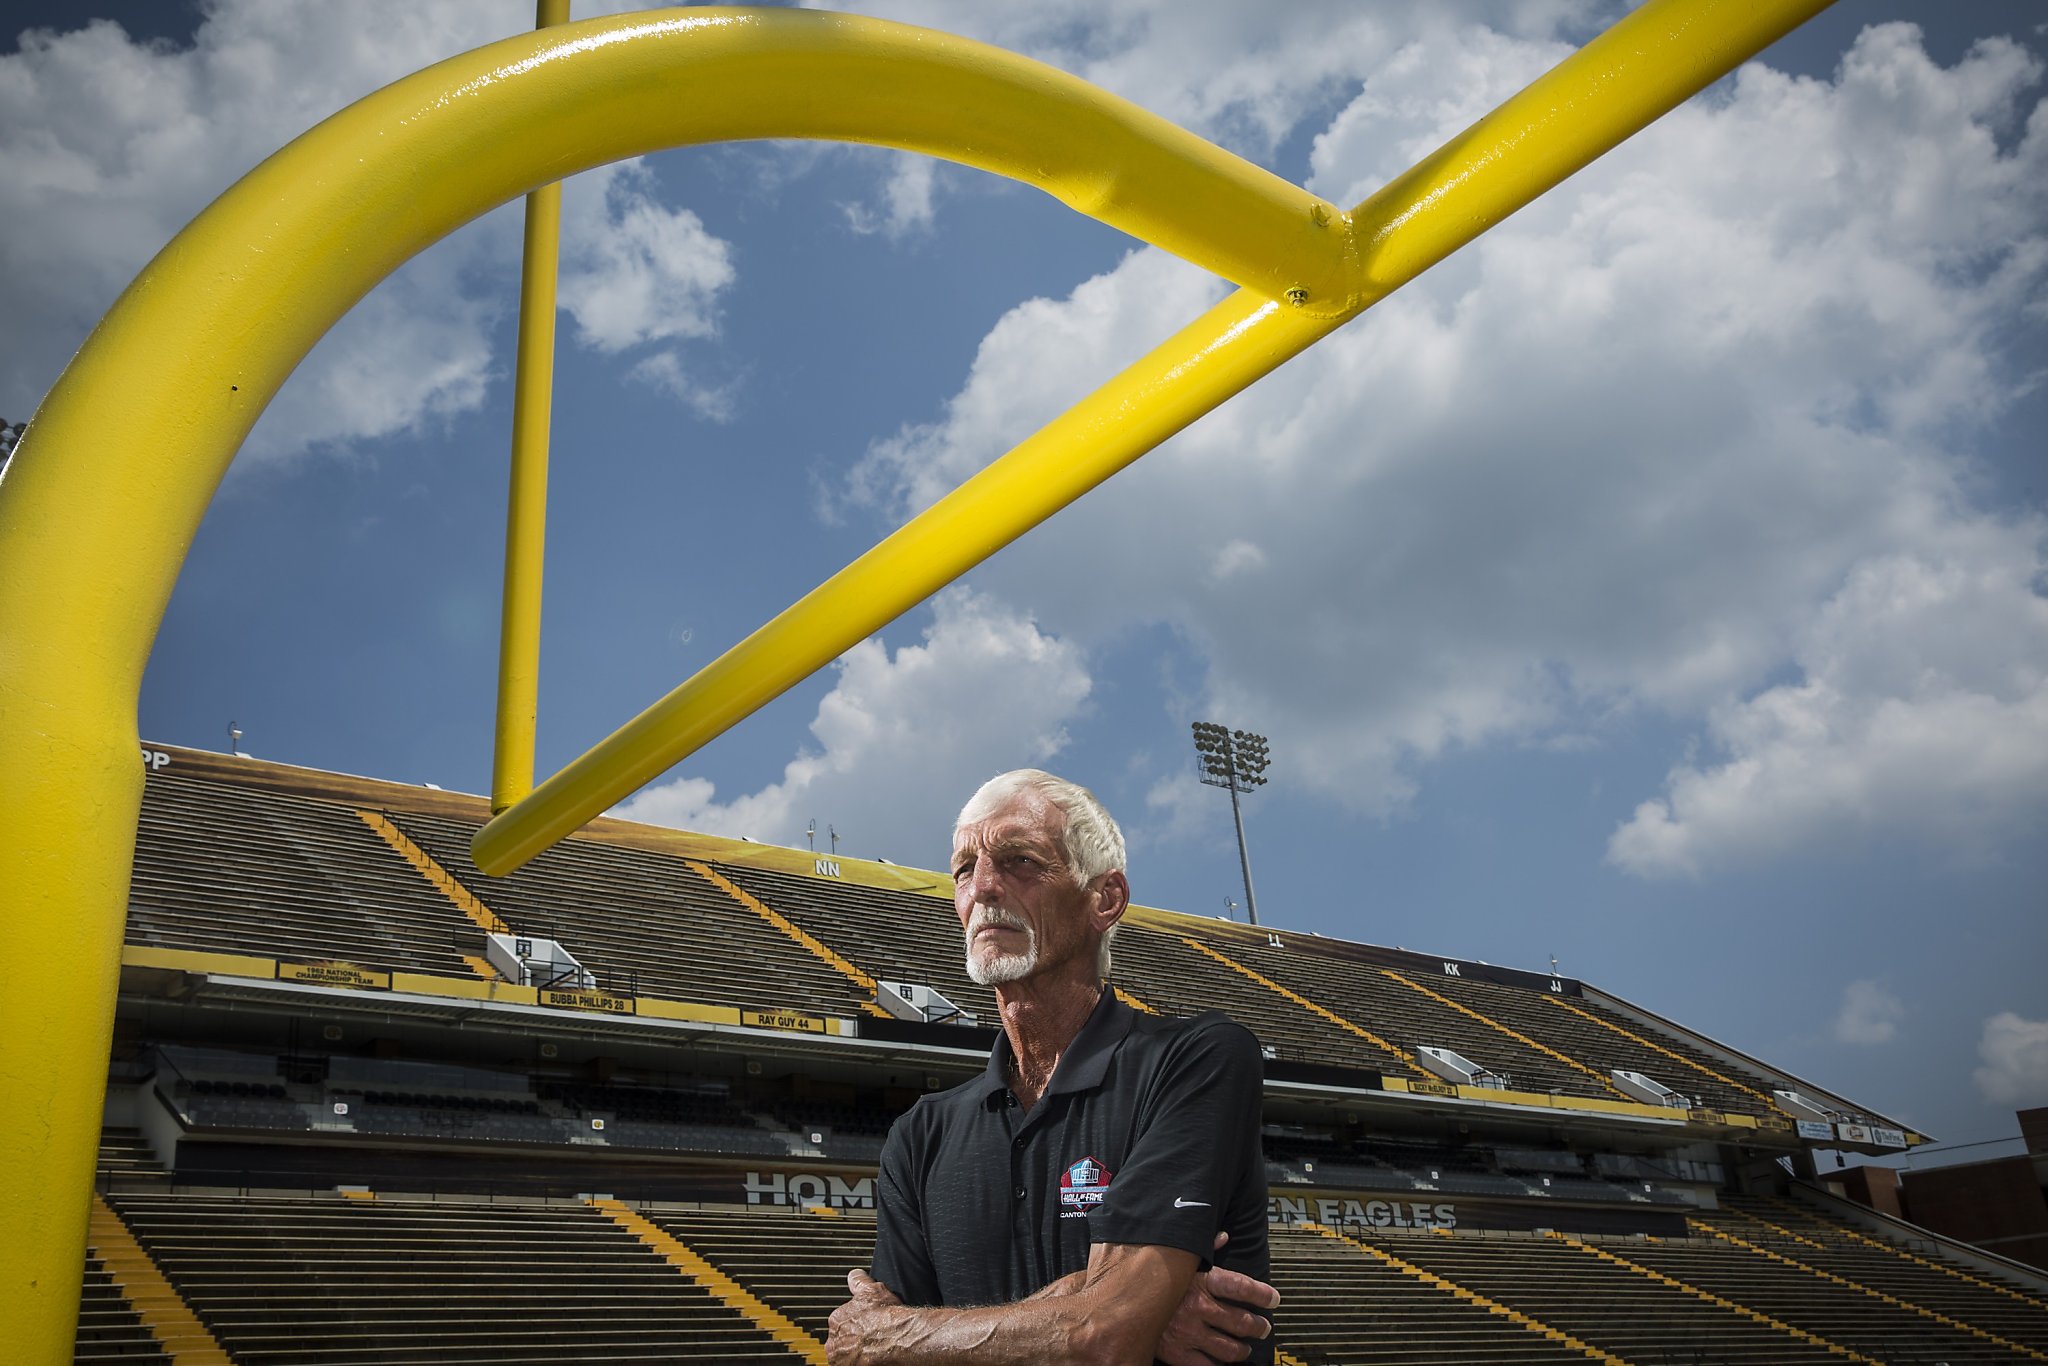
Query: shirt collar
(1086, 1059)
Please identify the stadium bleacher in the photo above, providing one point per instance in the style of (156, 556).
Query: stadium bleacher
(355, 1282)
(795, 1260)
(245, 872)
(1594, 1035)
(334, 1279)
(339, 1135)
(644, 924)
(127, 1160)
(897, 934)
(1176, 977)
(1599, 1298)
(1342, 1306)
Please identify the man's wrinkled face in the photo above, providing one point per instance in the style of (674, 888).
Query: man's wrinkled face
(1018, 902)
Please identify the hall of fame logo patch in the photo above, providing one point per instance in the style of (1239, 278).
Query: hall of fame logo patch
(1082, 1187)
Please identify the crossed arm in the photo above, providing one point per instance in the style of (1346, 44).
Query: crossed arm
(1133, 1303)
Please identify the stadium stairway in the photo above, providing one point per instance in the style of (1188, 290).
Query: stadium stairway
(902, 935)
(1410, 1015)
(109, 1329)
(1343, 1305)
(1182, 975)
(1595, 1034)
(1606, 1301)
(321, 1281)
(1986, 1299)
(1833, 1307)
(729, 1292)
(796, 1258)
(1542, 1041)
(1875, 1291)
(645, 923)
(861, 981)
(126, 1160)
(158, 1307)
(892, 934)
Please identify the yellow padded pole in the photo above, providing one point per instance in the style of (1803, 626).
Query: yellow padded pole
(526, 500)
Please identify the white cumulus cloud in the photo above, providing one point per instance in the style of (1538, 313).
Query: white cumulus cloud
(906, 198)
(1689, 437)
(2014, 1050)
(109, 146)
(666, 372)
(634, 271)
(1870, 1013)
(1921, 713)
(903, 739)
(1243, 76)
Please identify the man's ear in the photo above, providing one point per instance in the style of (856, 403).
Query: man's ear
(1112, 899)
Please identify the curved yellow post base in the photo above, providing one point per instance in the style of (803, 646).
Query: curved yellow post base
(105, 492)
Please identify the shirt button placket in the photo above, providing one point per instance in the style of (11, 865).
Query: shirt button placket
(1017, 1187)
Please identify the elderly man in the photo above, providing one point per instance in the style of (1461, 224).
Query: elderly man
(1059, 1207)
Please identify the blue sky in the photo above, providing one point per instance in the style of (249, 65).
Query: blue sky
(1658, 585)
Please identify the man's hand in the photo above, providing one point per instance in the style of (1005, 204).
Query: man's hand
(1204, 1330)
(864, 1316)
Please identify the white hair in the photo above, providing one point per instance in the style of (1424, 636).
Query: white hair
(1090, 840)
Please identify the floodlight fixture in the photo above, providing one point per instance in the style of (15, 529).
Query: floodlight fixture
(1235, 760)
(234, 739)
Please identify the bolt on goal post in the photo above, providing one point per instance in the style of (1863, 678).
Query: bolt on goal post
(102, 497)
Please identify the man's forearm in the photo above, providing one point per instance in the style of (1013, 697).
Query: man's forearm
(1108, 1315)
(1045, 1328)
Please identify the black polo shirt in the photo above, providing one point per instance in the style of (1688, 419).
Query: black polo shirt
(1148, 1133)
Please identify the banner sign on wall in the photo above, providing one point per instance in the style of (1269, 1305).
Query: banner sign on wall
(1333, 1209)
(331, 973)
(1349, 1209)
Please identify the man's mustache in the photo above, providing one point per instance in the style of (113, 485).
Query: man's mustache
(992, 917)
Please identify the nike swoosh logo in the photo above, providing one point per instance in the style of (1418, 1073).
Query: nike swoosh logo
(1179, 1203)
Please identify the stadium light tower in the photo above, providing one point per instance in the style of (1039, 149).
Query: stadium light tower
(1235, 760)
